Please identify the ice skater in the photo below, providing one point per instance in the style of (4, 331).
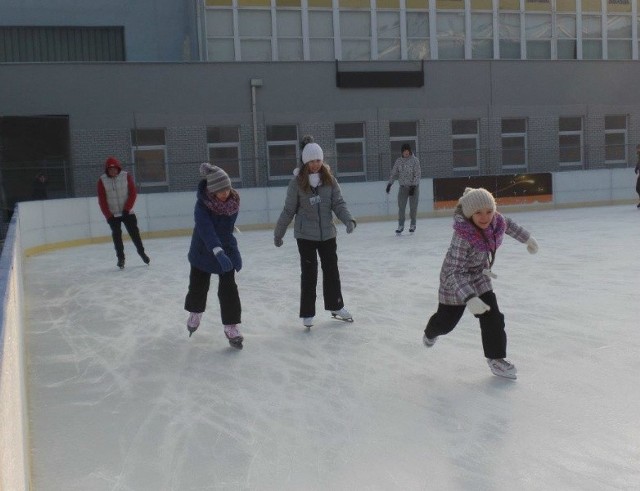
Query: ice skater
(407, 170)
(116, 196)
(214, 250)
(465, 277)
(312, 197)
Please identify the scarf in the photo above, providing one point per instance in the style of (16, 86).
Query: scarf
(487, 240)
(217, 207)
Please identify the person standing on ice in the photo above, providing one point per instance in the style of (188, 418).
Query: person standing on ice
(214, 250)
(407, 171)
(465, 277)
(313, 196)
(116, 196)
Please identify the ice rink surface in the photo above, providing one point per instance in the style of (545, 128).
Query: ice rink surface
(120, 398)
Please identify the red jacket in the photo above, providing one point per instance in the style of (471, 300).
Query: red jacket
(102, 192)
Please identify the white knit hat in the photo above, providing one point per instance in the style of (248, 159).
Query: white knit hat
(217, 178)
(311, 151)
(476, 199)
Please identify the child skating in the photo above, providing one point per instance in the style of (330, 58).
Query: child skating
(465, 277)
(214, 250)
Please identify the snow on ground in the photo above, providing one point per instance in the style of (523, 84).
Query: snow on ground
(120, 398)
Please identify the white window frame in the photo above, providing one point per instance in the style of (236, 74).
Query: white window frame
(579, 133)
(360, 140)
(236, 145)
(466, 136)
(613, 131)
(516, 134)
(141, 148)
(282, 143)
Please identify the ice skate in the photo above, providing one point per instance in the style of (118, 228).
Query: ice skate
(412, 229)
(307, 321)
(145, 258)
(342, 314)
(429, 342)
(121, 263)
(399, 230)
(193, 322)
(502, 368)
(233, 335)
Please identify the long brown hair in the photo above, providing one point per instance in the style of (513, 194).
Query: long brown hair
(325, 175)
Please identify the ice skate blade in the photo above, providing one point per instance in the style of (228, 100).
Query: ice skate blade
(343, 319)
(235, 344)
(507, 376)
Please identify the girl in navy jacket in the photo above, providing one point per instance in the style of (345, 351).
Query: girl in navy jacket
(214, 250)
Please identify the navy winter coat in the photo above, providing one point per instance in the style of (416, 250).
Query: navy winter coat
(212, 231)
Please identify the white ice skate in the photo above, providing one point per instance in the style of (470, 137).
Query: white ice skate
(502, 368)
(342, 314)
(307, 321)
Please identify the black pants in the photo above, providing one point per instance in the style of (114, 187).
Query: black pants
(196, 300)
(638, 185)
(131, 224)
(331, 289)
(494, 338)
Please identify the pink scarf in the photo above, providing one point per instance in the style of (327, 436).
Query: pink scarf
(487, 240)
(217, 207)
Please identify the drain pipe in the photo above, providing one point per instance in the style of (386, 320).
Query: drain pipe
(255, 82)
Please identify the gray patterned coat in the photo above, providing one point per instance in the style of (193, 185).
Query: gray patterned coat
(313, 211)
(461, 276)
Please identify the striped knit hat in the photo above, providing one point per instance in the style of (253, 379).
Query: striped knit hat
(476, 199)
(217, 179)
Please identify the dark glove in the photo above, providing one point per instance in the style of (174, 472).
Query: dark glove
(351, 225)
(125, 213)
(388, 188)
(111, 220)
(412, 190)
(277, 241)
(225, 263)
(239, 263)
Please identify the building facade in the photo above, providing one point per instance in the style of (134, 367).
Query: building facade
(476, 87)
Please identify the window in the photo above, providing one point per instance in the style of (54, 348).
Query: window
(224, 149)
(509, 36)
(481, 36)
(450, 31)
(282, 150)
(567, 40)
(619, 37)
(350, 149)
(615, 139)
(514, 143)
(388, 35)
(321, 35)
(289, 35)
(254, 27)
(591, 37)
(417, 35)
(538, 35)
(401, 133)
(149, 155)
(219, 25)
(355, 32)
(465, 144)
(570, 141)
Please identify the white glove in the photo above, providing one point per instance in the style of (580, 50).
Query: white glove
(532, 245)
(477, 306)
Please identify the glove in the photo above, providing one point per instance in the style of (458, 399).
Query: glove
(351, 225)
(388, 188)
(412, 190)
(225, 263)
(477, 306)
(532, 245)
(111, 220)
(239, 263)
(125, 213)
(277, 241)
